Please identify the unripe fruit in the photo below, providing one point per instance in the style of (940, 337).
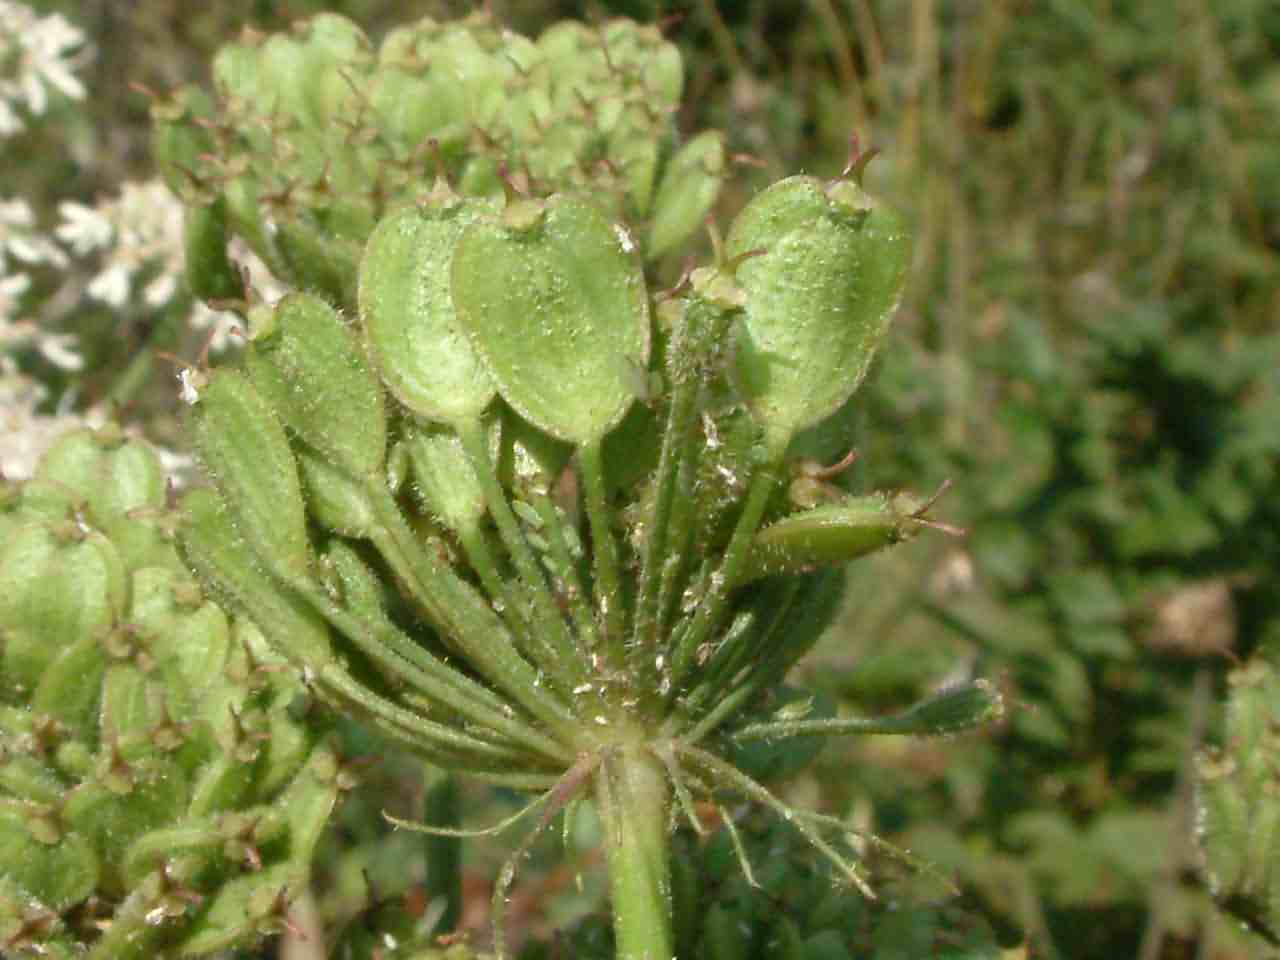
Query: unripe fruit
(133, 715)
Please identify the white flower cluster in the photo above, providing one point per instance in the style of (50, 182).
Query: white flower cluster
(21, 242)
(36, 54)
(138, 234)
(139, 231)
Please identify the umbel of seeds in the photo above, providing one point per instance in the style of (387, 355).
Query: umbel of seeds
(157, 796)
(485, 486)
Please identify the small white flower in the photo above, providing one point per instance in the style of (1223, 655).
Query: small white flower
(20, 239)
(25, 434)
(60, 350)
(84, 229)
(223, 326)
(11, 290)
(36, 54)
(111, 286)
(10, 122)
(135, 232)
(160, 290)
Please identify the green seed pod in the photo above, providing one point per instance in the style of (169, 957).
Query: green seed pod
(312, 371)
(561, 326)
(245, 450)
(185, 628)
(116, 487)
(69, 690)
(210, 273)
(319, 261)
(408, 315)
(414, 104)
(688, 191)
(236, 75)
(56, 875)
(334, 500)
(283, 73)
(115, 725)
(246, 219)
(1238, 801)
(633, 149)
(53, 591)
(225, 560)
(338, 56)
(179, 142)
(819, 298)
(112, 815)
(835, 534)
(446, 480)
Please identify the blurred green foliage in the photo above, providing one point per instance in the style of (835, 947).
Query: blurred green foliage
(1089, 353)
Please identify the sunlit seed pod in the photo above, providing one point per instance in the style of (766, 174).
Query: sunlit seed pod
(244, 448)
(835, 534)
(820, 294)
(53, 591)
(688, 190)
(558, 327)
(416, 340)
(310, 367)
(236, 75)
(223, 555)
(56, 875)
(334, 500)
(318, 260)
(446, 479)
(339, 55)
(124, 711)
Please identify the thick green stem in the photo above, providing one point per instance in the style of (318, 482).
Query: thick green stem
(634, 798)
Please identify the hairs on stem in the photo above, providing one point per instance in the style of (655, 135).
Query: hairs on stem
(732, 778)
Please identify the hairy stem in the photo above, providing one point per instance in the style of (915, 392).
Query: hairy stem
(634, 798)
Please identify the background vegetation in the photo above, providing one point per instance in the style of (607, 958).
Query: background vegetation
(1089, 353)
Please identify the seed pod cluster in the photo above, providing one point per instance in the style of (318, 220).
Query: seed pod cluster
(1238, 800)
(311, 137)
(157, 792)
(482, 486)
